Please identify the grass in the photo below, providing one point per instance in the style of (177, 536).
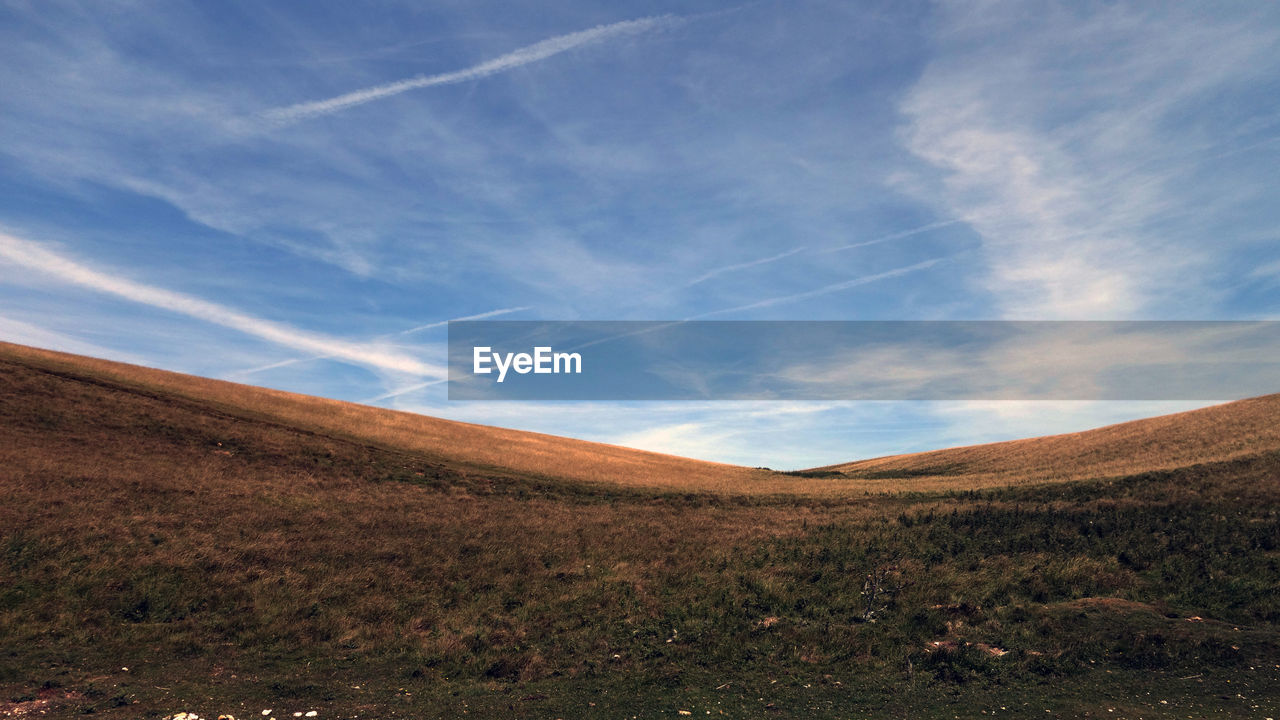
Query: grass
(1231, 430)
(235, 562)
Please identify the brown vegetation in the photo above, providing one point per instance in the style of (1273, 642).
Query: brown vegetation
(479, 447)
(1241, 429)
(228, 544)
(1233, 430)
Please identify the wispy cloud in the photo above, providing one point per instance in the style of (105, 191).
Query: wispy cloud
(741, 266)
(479, 316)
(403, 391)
(686, 439)
(524, 56)
(37, 257)
(24, 333)
(271, 366)
(826, 289)
(1061, 138)
(294, 361)
(893, 236)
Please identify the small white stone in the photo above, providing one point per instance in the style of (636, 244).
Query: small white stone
(312, 713)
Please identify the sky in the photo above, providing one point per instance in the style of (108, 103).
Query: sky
(301, 195)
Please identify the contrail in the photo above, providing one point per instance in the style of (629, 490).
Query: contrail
(740, 266)
(36, 256)
(294, 361)
(481, 316)
(633, 333)
(772, 301)
(525, 55)
(402, 391)
(270, 366)
(825, 289)
(894, 236)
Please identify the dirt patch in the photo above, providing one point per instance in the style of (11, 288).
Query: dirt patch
(40, 704)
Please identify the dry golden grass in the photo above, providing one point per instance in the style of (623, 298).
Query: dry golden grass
(1245, 428)
(129, 507)
(1234, 430)
(233, 559)
(479, 446)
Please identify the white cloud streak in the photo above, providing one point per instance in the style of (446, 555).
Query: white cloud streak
(523, 56)
(24, 333)
(479, 316)
(428, 326)
(272, 366)
(741, 266)
(36, 257)
(826, 289)
(402, 391)
(894, 236)
(1060, 137)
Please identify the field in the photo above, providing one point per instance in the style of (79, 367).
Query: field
(239, 549)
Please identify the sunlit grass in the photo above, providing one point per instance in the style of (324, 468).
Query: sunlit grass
(227, 557)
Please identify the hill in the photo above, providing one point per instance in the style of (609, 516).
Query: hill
(174, 544)
(458, 444)
(1228, 431)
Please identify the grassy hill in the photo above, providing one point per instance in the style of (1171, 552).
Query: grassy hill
(239, 549)
(1233, 430)
(459, 444)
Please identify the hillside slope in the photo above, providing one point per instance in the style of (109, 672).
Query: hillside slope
(1235, 430)
(1240, 429)
(161, 553)
(479, 447)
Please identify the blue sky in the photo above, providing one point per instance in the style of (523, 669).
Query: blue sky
(296, 195)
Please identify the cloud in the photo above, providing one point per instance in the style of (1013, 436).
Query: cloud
(403, 391)
(480, 316)
(741, 266)
(35, 256)
(294, 361)
(834, 287)
(1267, 271)
(1051, 361)
(893, 236)
(524, 56)
(23, 333)
(971, 422)
(272, 366)
(686, 439)
(1061, 137)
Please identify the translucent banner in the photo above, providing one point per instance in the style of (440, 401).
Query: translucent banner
(871, 360)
